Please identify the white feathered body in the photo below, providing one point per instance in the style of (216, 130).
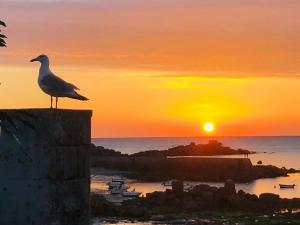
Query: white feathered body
(55, 86)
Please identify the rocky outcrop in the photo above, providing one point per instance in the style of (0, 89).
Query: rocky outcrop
(100, 206)
(130, 208)
(97, 151)
(210, 149)
(177, 188)
(229, 187)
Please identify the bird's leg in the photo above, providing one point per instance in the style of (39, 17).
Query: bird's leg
(56, 101)
(51, 102)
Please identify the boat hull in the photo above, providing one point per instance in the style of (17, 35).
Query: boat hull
(287, 185)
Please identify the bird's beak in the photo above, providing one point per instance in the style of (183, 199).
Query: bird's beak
(33, 60)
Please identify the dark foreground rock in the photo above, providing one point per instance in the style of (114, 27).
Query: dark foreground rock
(202, 200)
(223, 218)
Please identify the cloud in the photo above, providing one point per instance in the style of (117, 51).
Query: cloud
(45, 1)
(200, 38)
(220, 76)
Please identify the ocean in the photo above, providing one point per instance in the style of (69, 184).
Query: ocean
(278, 151)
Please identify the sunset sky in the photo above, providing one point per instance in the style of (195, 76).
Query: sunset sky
(160, 67)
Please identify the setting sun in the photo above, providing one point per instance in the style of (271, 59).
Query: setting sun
(208, 127)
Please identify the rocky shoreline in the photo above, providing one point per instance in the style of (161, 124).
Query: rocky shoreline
(203, 205)
(222, 218)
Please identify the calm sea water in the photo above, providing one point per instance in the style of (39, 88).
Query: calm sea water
(279, 151)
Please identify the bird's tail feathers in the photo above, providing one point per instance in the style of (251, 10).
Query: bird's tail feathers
(79, 97)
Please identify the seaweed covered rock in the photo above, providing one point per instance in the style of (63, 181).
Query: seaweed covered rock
(101, 207)
(269, 198)
(134, 208)
(177, 188)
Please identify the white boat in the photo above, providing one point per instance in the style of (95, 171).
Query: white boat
(124, 192)
(118, 180)
(112, 185)
(131, 194)
(167, 183)
(287, 185)
(186, 186)
(116, 191)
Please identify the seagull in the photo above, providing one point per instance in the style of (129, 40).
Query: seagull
(54, 85)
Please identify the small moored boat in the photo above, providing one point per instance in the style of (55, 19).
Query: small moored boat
(186, 186)
(118, 180)
(287, 185)
(167, 183)
(132, 194)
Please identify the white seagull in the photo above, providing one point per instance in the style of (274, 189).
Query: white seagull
(54, 85)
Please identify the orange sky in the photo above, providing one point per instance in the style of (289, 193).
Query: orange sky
(161, 67)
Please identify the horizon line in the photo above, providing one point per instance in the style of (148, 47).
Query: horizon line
(225, 136)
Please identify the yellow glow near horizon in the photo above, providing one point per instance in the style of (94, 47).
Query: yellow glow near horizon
(208, 127)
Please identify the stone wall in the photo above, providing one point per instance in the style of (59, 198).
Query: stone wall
(44, 167)
(187, 168)
(146, 163)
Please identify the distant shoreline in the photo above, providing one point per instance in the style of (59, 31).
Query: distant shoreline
(287, 149)
(212, 148)
(173, 163)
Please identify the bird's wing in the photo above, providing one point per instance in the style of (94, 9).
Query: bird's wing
(57, 84)
(2, 23)
(75, 88)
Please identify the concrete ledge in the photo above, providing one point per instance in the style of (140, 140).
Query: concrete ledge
(52, 126)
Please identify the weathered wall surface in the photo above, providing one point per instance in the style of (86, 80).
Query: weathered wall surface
(198, 168)
(44, 167)
(158, 163)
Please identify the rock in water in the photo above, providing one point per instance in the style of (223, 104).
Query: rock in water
(177, 188)
(229, 187)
